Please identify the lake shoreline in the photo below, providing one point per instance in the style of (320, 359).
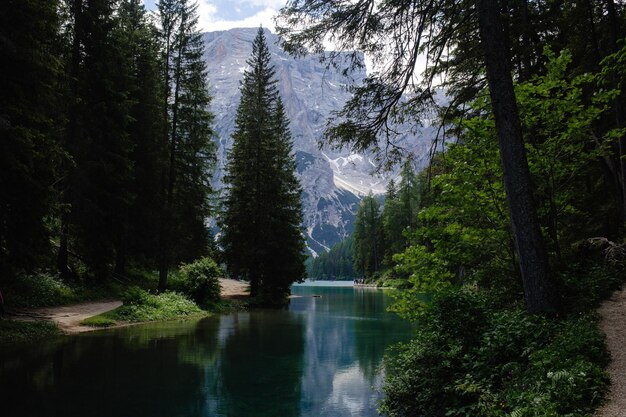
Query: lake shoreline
(213, 366)
(68, 318)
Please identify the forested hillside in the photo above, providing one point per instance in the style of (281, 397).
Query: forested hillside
(336, 264)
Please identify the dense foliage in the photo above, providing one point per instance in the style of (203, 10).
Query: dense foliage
(106, 144)
(507, 362)
(379, 233)
(470, 357)
(523, 211)
(262, 216)
(30, 151)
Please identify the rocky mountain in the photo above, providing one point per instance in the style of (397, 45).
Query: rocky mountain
(333, 181)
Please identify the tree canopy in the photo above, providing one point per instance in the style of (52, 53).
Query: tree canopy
(93, 166)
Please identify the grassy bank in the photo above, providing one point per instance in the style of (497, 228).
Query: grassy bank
(196, 293)
(19, 332)
(142, 306)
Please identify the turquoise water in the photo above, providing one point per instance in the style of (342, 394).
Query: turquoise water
(321, 357)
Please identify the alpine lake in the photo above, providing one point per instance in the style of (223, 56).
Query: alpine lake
(322, 356)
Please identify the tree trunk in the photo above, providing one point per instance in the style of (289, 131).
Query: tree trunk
(527, 45)
(62, 255)
(120, 254)
(614, 24)
(163, 251)
(614, 33)
(539, 289)
(66, 197)
(593, 34)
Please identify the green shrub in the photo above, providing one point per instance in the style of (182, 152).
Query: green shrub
(140, 305)
(41, 289)
(586, 283)
(200, 281)
(137, 296)
(469, 359)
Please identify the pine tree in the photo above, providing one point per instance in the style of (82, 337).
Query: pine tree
(195, 155)
(400, 210)
(409, 194)
(368, 237)
(187, 133)
(393, 223)
(95, 191)
(142, 62)
(287, 245)
(30, 152)
(261, 219)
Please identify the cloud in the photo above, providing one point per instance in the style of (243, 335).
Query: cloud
(206, 14)
(264, 17)
(210, 18)
(273, 4)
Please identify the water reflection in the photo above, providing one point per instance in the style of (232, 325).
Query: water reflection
(347, 333)
(261, 366)
(129, 372)
(322, 357)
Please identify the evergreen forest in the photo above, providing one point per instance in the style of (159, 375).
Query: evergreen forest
(107, 139)
(108, 151)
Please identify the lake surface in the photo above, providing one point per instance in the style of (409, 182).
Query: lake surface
(321, 357)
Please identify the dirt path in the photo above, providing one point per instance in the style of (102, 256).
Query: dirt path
(613, 324)
(232, 288)
(68, 317)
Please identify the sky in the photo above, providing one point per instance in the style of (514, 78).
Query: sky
(227, 14)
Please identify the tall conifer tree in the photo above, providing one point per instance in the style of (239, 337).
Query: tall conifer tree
(141, 53)
(29, 133)
(95, 188)
(187, 136)
(368, 237)
(262, 239)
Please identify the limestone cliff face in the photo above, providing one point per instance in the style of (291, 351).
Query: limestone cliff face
(332, 180)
